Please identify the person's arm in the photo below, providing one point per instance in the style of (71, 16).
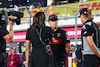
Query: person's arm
(66, 40)
(67, 47)
(9, 37)
(92, 45)
(27, 50)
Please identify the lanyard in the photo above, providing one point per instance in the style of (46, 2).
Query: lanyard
(48, 47)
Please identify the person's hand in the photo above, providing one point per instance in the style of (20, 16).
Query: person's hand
(24, 63)
(12, 62)
(10, 22)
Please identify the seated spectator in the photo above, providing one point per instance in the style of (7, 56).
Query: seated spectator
(40, 5)
(13, 58)
(84, 0)
(70, 1)
(53, 2)
(57, 3)
(32, 6)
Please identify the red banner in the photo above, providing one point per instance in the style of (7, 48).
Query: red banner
(71, 32)
(20, 36)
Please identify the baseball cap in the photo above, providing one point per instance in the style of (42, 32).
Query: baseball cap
(13, 47)
(53, 18)
(85, 11)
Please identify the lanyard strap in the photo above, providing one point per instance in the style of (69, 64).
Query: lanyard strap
(39, 34)
(48, 48)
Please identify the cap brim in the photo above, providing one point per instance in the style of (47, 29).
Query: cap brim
(53, 19)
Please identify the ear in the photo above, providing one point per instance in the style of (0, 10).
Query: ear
(82, 15)
(49, 22)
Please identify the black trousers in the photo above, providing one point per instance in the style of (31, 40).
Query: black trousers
(91, 61)
(2, 60)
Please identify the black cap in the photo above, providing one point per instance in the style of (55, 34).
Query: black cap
(85, 11)
(52, 18)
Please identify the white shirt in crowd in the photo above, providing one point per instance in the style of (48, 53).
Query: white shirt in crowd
(15, 7)
(32, 6)
(83, 0)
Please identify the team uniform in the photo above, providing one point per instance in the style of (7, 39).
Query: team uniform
(90, 58)
(58, 47)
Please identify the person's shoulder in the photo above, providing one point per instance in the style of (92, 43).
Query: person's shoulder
(16, 54)
(61, 30)
(29, 29)
(47, 28)
(10, 55)
(89, 23)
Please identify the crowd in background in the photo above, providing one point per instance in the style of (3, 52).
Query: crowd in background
(39, 5)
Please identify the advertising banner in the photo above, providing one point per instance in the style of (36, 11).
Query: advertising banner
(20, 36)
(71, 32)
(62, 11)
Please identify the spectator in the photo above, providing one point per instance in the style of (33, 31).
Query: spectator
(16, 8)
(40, 5)
(70, 1)
(59, 2)
(13, 58)
(21, 9)
(79, 55)
(53, 2)
(84, 0)
(32, 6)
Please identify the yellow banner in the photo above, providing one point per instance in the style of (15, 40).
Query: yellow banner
(63, 11)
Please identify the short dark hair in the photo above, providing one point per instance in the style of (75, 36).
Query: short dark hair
(38, 20)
